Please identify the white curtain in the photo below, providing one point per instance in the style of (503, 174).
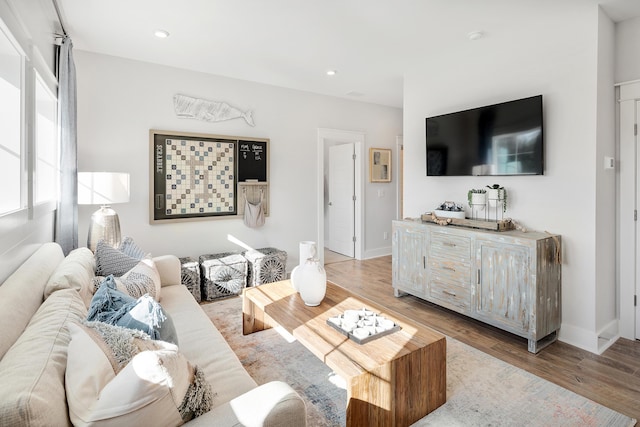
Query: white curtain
(66, 228)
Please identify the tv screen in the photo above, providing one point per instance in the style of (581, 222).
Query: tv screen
(500, 139)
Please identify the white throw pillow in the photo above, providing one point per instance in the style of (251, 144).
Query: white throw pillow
(130, 380)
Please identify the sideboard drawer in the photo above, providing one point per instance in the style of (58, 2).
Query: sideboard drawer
(451, 295)
(457, 272)
(450, 246)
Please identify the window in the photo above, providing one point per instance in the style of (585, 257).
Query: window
(46, 168)
(10, 110)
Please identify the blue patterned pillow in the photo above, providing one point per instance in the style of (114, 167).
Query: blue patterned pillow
(112, 306)
(128, 247)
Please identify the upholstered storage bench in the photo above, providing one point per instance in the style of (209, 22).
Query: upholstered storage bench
(190, 272)
(222, 275)
(266, 265)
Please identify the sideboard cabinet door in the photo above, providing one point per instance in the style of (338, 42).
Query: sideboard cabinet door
(409, 259)
(503, 290)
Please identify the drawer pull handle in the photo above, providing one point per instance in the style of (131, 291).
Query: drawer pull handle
(449, 268)
(453, 294)
(453, 245)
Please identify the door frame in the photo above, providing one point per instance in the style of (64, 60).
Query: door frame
(399, 166)
(325, 137)
(628, 94)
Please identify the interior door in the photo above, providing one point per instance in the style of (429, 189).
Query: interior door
(341, 199)
(637, 307)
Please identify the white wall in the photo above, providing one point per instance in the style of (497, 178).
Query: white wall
(561, 64)
(119, 100)
(606, 304)
(627, 57)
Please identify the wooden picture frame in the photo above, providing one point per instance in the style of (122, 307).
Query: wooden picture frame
(195, 176)
(379, 165)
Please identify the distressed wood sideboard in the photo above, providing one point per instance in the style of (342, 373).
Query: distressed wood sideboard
(509, 279)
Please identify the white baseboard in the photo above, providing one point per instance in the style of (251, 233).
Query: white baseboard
(608, 335)
(581, 338)
(375, 253)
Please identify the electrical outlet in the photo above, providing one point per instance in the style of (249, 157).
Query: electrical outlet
(385, 235)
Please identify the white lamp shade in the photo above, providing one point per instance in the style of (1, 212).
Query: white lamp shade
(102, 188)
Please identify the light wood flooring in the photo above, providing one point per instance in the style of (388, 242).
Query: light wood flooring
(612, 379)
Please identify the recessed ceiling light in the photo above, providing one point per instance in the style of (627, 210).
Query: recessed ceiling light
(475, 35)
(162, 34)
(331, 73)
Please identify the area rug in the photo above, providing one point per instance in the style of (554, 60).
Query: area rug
(481, 390)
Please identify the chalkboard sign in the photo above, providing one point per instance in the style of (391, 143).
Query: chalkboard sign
(252, 160)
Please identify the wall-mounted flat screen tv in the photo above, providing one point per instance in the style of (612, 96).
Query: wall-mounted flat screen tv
(500, 139)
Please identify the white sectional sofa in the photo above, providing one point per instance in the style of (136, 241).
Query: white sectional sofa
(48, 291)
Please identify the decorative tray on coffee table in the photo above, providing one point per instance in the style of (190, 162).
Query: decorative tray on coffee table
(362, 325)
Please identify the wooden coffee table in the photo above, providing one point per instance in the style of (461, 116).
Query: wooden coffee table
(393, 380)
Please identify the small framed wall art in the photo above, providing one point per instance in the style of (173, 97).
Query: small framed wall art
(379, 165)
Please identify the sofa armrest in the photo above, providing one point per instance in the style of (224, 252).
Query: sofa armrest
(169, 269)
(271, 404)
(274, 404)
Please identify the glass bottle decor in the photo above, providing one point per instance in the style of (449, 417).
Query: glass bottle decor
(311, 280)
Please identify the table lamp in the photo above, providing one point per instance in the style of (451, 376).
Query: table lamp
(105, 189)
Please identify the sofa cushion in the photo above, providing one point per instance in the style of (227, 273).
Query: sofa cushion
(75, 272)
(110, 260)
(111, 305)
(22, 293)
(131, 380)
(32, 371)
(199, 340)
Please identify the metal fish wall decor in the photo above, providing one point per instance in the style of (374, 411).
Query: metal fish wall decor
(187, 107)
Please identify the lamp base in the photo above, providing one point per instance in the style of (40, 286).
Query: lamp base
(105, 225)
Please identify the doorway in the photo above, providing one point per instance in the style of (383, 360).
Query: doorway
(340, 200)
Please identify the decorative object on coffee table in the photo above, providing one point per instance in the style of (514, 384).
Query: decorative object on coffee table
(362, 325)
(266, 265)
(190, 273)
(308, 250)
(222, 275)
(312, 282)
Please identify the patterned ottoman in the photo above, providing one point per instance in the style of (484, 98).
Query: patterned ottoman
(222, 275)
(190, 271)
(266, 265)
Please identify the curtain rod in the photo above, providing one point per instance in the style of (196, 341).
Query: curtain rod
(55, 5)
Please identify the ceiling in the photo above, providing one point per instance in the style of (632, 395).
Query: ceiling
(293, 43)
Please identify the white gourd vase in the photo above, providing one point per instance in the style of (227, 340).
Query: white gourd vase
(312, 282)
(308, 249)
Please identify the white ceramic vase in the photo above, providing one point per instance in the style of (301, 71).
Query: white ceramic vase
(308, 249)
(312, 282)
